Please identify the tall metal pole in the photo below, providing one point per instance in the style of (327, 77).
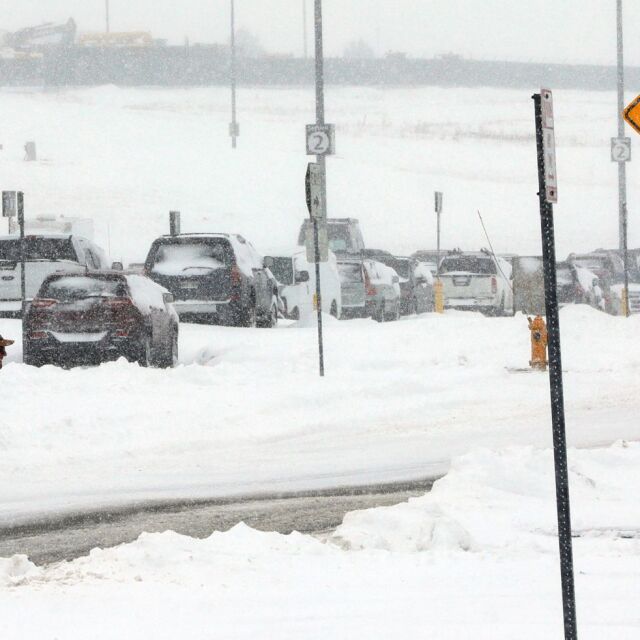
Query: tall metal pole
(556, 389)
(304, 29)
(320, 159)
(622, 169)
(233, 129)
(107, 17)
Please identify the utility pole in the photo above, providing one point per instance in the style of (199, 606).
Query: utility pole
(106, 13)
(320, 159)
(234, 129)
(622, 159)
(304, 28)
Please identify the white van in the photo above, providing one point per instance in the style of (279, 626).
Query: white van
(44, 254)
(297, 285)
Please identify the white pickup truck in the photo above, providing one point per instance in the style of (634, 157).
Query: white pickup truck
(44, 254)
(477, 282)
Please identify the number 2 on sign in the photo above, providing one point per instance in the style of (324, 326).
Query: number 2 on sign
(319, 142)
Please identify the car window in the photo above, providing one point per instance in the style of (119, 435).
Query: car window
(339, 237)
(92, 261)
(78, 287)
(195, 257)
(468, 264)
(38, 248)
(350, 271)
(282, 269)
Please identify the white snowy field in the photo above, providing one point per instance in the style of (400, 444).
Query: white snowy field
(475, 559)
(125, 157)
(247, 412)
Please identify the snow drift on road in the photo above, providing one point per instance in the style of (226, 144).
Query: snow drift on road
(505, 502)
(407, 579)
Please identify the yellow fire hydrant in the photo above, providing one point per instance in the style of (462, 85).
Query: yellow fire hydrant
(538, 329)
(438, 296)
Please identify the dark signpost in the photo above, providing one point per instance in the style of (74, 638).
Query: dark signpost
(548, 194)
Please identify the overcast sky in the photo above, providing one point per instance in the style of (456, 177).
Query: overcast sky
(536, 30)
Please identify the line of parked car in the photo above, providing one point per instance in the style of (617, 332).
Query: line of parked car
(84, 308)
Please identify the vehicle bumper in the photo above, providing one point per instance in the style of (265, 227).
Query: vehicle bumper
(60, 348)
(220, 310)
(349, 311)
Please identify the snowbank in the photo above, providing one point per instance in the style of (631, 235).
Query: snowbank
(505, 501)
(410, 577)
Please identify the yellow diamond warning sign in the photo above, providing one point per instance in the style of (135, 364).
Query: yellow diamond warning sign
(632, 114)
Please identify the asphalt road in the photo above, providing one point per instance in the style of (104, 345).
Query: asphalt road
(309, 512)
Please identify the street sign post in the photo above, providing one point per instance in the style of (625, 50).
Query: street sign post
(547, 194)
(174, 223)
(621, 149)
(438, 291)
(9, 204)
(321, 139)
(323, 242)
(549, 147)
(313, 187)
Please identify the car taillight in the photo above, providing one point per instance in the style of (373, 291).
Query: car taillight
(42, 303)
(370, 290)
(118, 303)
(494, 285)
(236, 276)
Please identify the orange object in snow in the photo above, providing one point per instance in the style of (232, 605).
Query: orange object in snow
(538, 329)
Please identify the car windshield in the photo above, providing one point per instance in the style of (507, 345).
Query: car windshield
(468, 264)
(401, 267)
(197, 257)
(282, 269)
(590, 262)
(350, 272)
(563, 275)
(37, 248)
(339, 238)
(78, 287)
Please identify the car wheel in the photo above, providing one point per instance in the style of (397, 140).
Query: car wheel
(249, 315)
(33, 359)
(398, 312)
(170, 356)
(270, 320)
(144, 356)
(414, 307)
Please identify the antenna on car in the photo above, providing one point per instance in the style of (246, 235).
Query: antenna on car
(493, 253)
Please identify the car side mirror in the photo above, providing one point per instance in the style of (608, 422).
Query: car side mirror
(302, 276)
(168, 298)
(117, 266)
(268, 262)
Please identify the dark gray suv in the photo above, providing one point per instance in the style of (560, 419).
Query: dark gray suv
(216, 278)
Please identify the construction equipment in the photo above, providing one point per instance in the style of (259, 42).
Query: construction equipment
(123, 39)
(42, 36)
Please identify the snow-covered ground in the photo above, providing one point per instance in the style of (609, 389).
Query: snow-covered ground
(247, 412)
(476, 559)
